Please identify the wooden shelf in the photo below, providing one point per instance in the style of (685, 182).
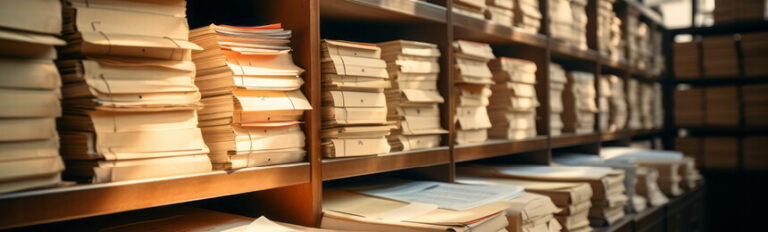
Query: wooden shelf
(495, 148)
(395, 11)
(65, 203)
(616, 67)
(615, 135)
(704, 81)
(645, 132)
(624, 224)
(470, 28)
(567, 140)
(561, 51)
(358, 166)
(649, 219)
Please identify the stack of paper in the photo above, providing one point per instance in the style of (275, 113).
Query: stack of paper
(689, 106)
(754, 153)
(604, 105)
(557, 81)
(419, 206)
(354, 105)
(686, 60)
(609, 31)
(513, 103)
(673, 168)
(573, 198)
(648, 186)
(656, 55)
(658, 106)
(753, 52)
(579, 25)
(473, 79)
(719, 57)
(579, 103)
(639, 42)
(722, 104)
(472, 8)
(647, 106)
(527, 16)
(29, 95)
(755, 100)
(500, 12)
(129, 95)
(618, 102)
(569, 22)
(721, 153)
(412, 100)
(635, 107)
(251, 91)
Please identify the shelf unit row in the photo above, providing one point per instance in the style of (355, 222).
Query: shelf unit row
(301, 184)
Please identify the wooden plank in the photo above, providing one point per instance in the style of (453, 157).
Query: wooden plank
(568, 140)
(358, 166)
(58, 204)
(615, 135)
(395, 11)
(495, 148)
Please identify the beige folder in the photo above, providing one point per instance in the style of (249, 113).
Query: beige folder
(347, 147)
(479, 50)
(29, 103)
(85, 19)
(29, 74)
(175, 8)
(27, 129)
(269, 106)
(112, 171)
(39, 16)
(346, 48)
(367, 131)
(413, 142)
(421, 125)
(472, 118)
(471, 136)
(28, 45)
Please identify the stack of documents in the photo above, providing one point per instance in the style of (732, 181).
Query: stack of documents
(608, 198)
(721, 153)
(251, 91)
(618, 102)
(656, 55)
(686, 60)
(579, 25)
(648, 186)
(689, 106)
(633, 98)
(412, 99)
(527, 16)
(647, 106)
(500, 12)
(557, 81)
(755, 100)
(609, 30)
(639, 42)
(635, 203)
(472, 8)
(603, 103)
(579, 103)
(658, 106)
(754, 153)
(354, 104)
(419, 206)
(473, 79)
(29, 95)
(720, 59)
(130, 98)
(570, 200)
(673, 167)
(722, 104)
(513, 103)
(566, 21)
(753, 47)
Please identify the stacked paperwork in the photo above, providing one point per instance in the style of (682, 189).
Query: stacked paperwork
(557, 82)
(579, 103)
(513, 104)
(473, 79)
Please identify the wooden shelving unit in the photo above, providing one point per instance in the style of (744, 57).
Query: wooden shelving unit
(355, 20)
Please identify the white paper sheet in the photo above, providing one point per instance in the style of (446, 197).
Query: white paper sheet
(447, 196)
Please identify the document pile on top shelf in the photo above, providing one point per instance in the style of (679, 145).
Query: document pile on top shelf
(573, 198)
(753, 47)
(500, 12)
(412, 99)
(514, 102)
(354, 105)
(673, 167)
(419, 206)
(579, 103)
(609, 30)
(473, 79)
(638, 35)
(658, 106)
(569, 22)
(689, 106)
(472, 8)
(686, 60)
(755, 100)
(251, 91)
(29, 95)
(719, 56)
(646, 105)
(635, 107)
(603, 103)
(130, 99)
(557, 82)
(527, 16)
(618, 103)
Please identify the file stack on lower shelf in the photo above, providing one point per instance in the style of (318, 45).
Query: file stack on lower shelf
(635, 107)
(251, 91)
(412, 99)
(354, 114)
(755, 99)
(472, 8)
(557, 82)
(527, 16)
(130, 100)
(29, 95)
(473, 79)
(604, 105)
(638, 42)
(513, 104)
(579, 103)
(647, 106)
(618, 102)
(674, 169)
(569, 22)
(500, 12)
(609, 31)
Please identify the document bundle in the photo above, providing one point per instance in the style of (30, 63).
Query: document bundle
(603, 104)
(513, 104)
(473, 80)
(572, 198)
(755, 101)
(658, 106)
(618, 103)
(252, 96)
(648, 186)
(419, 206)
(579, 107)
(500, 12)
(569, 22)
(609, 30)
(527, 16)
(647, 106)
(471, 8)
(633, 98)
(413, 99)
(753, 47)
(557, 82)
(29, 95)
(639, 42)
(129, 92)
(674, 169)
(354, 114)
